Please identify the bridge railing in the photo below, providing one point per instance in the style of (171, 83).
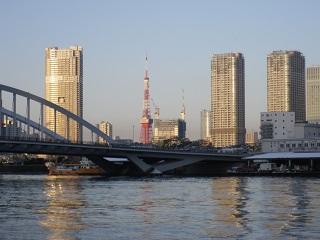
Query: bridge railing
(49, 140)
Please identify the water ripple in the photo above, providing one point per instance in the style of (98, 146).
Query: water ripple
(41, 207)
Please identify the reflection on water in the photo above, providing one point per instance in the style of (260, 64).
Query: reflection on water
(298, 215)
(38, 207)
(229, 197)
(145, 209)
(62, 216)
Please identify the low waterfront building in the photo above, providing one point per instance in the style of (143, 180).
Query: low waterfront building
(251, 137)
(290, 145)
(277, 125)
(280, 133)
(168, 128)
(122, 141)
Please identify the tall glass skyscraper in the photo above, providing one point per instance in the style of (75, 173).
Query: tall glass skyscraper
(313, 94)
(227, 100)
(64, 87)
(286, 83)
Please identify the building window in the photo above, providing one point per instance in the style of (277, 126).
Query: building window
(306, 145)
(287, 145)
(282, 145)
(293, 145)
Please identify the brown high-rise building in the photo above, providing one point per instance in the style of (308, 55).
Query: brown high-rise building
(64, 87)
(286, 83)
(227, 100)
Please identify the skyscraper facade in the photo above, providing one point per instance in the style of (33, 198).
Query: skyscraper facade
(64, 87)
(227, 100)
(105, 127)
(205, 124)
(286, 83)
(313, 94)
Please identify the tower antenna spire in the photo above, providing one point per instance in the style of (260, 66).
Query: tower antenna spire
(146, 67)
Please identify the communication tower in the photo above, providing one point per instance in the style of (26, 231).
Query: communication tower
(146, 120)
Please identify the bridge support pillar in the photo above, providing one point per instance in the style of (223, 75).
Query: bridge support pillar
(289, 164)
(14, 109)
(140, 163)
(68, 129)
(92, 137)
(55, 121)
(41, 121)
(28, 116)
(164, 167)
(311, 164)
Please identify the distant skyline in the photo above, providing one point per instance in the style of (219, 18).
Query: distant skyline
(179, 38)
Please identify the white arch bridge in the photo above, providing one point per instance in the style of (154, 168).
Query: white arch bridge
(143, 161)
(31, 126)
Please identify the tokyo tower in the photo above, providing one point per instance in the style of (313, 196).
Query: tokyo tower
(146, 121)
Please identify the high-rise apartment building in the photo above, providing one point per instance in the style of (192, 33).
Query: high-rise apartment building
(227, 100)
(313, 94)
(205, 124)
(105, 127)
(64, 87)
(286, 83)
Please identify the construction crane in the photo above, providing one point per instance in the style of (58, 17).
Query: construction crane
(156, 114)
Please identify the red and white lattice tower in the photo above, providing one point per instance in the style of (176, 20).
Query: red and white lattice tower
(146, 120)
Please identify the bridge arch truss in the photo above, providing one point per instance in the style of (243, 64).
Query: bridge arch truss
(43, 131)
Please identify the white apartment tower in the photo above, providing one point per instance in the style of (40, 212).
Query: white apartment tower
(64, 87)
(105, 127)
(205, 124)
(227, 100)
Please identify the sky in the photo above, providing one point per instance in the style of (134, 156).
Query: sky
(179, 38)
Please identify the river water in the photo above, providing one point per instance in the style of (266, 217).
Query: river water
(42, 207)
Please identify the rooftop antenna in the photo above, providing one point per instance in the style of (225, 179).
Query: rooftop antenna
(183, 111)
